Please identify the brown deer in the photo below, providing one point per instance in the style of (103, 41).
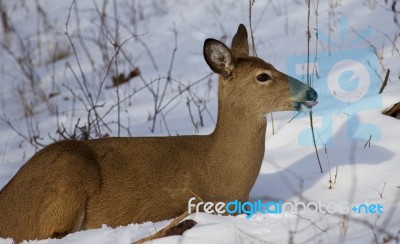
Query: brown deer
(77, 185)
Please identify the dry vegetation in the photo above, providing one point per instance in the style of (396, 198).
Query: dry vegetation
(112, 65)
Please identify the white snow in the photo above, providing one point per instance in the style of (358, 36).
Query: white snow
(290, 172)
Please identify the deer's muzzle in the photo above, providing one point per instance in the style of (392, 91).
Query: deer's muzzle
(303, 96)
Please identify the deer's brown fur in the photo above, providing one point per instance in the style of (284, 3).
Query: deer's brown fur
(77, 185)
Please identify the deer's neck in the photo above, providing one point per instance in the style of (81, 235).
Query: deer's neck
(238, 127)
(239, 144)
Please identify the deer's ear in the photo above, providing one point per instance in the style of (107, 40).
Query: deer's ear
(219, 57)
(240, 44)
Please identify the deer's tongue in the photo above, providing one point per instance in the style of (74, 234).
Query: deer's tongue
(311, 103)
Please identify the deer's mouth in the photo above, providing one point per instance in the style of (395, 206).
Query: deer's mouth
(305, 106)
(310, 104)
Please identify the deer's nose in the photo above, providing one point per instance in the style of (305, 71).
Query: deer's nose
(312, 95)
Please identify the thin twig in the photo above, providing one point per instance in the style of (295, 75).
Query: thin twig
(385, 81)
(336, 174)
(251, 2)
(368, 143)
(164, 231)
(381, 192)
(329, 163)
(310, 83)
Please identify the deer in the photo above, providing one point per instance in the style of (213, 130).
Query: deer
(73, 185)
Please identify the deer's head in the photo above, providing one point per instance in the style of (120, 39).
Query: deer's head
(252, 84)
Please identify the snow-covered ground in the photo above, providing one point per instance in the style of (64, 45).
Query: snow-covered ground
(147, 31)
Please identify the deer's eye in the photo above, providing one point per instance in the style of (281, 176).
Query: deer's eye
(264, 77)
